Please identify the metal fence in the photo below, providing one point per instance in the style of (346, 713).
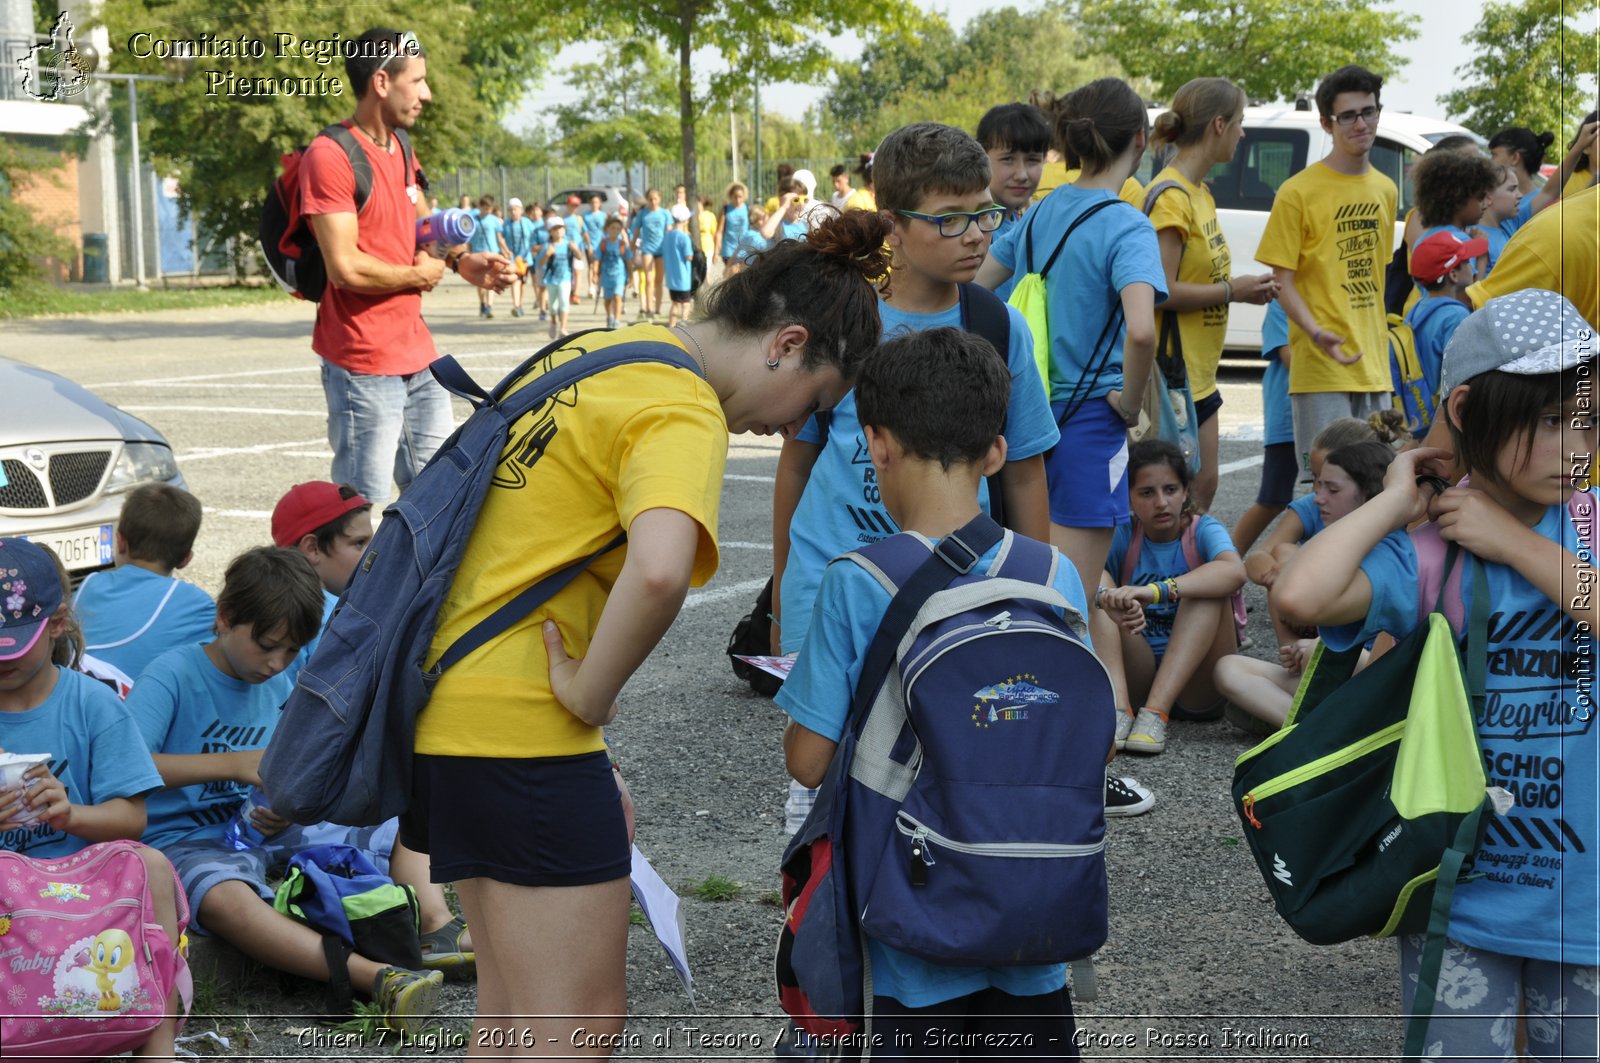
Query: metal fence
(540, 183)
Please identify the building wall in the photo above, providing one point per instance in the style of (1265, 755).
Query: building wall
(52, 195)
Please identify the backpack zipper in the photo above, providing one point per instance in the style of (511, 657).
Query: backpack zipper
(1338, 758)
(924, 839)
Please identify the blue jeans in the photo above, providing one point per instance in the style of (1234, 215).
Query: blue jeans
(383, 428)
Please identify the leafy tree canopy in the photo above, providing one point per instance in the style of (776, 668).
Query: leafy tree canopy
(1529, 57)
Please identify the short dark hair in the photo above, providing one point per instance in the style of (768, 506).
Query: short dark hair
(838, 170)
(370, 52)
(1365, 463)
(1158, 452)
(1444, 180)
(1350, 78)
(1585, 163)
(943, 393)
(160, 523)
(1096, 123)
(925, 158)
(269, 588)
(328, 533)
(1014, 126)
(1529, 146)
(1502, 407)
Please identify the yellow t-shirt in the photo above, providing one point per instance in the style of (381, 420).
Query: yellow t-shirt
(1579, 180)
(860, 199)
(1056, 174)
(1205, 261)
(708, 233)
(1559, 250)
(576, 471)
(1336, 231)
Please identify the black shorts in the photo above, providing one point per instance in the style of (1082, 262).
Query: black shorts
(1206, 408)
(537, 821)
(680, 296)
(1278, 472)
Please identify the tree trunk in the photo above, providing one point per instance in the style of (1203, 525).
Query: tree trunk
(686, 19)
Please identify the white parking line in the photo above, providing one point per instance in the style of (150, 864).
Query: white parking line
(269, 410)
(239, 514)
(243, 373)
(207, 453)
(722, 594)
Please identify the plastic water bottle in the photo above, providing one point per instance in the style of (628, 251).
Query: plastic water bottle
(241, 833)
(448, 227)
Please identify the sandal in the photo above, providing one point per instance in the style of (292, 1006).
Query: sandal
(442, 951)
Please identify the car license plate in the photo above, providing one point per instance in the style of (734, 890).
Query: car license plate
(79, 548)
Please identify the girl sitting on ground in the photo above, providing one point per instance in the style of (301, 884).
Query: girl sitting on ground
(1176, 620)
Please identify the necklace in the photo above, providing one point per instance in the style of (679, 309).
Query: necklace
(700, 354)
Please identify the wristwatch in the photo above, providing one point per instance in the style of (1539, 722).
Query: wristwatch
(453, 260)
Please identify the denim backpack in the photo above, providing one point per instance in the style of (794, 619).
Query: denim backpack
(962, 818)
(342, 750)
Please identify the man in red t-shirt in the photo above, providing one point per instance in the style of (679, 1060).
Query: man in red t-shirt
(386, 413)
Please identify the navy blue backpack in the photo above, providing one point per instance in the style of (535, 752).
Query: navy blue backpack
(962, 818)
(342, 750)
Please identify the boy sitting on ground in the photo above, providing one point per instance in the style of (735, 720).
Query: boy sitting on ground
(931, 405)
(139, 610)
(207, 712)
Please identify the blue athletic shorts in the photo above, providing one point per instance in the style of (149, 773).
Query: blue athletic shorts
(1087, 471)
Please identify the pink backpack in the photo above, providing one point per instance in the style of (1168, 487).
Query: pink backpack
(1192, 558)
(87, 967)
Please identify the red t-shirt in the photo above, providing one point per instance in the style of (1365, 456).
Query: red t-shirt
(380, 334)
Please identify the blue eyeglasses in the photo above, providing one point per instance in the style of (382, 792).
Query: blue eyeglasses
(988, 219)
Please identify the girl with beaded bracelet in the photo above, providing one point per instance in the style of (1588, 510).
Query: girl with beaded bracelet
(1176, 620)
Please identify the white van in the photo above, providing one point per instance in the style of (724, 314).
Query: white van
(1280, 141)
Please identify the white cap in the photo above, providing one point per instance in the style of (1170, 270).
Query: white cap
(807, 178)
(680, 212)
(513, 202)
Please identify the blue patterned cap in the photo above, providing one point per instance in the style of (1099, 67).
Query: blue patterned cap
(30, 594)
(1529, 333)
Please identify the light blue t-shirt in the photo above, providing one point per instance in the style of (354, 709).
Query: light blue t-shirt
(1500, 235)
(1305, 507)
(795, 230)
(94, 750)
(1537, 734)
(131, 616)
(594, 227)
(183, 704)
(1433, 321)
(613, 261)
(559, 269)
(676, 250)
(541, 237)
(486, 237)
(840, 508)
(1278, 414)
(735, 221)
(817, 695)
(750, 244)
(1113, 249)
(653, 226)
(518, 234)
(1159, 561)
(329, 601)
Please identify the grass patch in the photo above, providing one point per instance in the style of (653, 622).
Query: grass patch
(715, 888)
(43, 300)
(636, 916)
(772, 899)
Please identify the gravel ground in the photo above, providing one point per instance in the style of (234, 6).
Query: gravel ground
(1197, 965)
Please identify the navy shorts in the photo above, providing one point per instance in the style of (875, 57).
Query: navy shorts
(1206, 408)
(1087, 471)
(535, 821)
(1278, 472)
(680, 296)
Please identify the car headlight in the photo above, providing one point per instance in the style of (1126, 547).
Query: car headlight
(142, 463)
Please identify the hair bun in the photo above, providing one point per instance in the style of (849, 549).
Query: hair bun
(1545, 139)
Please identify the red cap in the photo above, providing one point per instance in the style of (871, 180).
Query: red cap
(1442, 252)
(307, 507)
(574, 201)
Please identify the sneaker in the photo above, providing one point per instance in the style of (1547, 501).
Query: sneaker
(1149, 733)
(1125, 797)
(542, 315)
(442, 951)
(406, 997)
(516, 311)
(1124, 725)
(483, 311)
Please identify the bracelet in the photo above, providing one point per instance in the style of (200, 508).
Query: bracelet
(774, 620)
(1159, 591)
(1172, 589)
(1099, 592)
(1227, 292)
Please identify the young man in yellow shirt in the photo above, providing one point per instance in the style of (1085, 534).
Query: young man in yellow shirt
(1329, 236)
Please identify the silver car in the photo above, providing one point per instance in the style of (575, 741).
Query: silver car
(67, 459)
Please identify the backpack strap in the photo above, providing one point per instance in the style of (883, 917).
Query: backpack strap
(360, 165)
(985, 314)
(1169, 342)
(1191, 550)
(1027, 234)
(1131, 558)
(514, 405)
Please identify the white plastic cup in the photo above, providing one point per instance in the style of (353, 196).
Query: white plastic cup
(12, 768)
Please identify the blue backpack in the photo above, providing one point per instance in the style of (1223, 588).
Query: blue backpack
(342, 750)
(962, 818)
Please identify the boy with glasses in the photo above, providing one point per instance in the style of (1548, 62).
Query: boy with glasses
(1328, 239)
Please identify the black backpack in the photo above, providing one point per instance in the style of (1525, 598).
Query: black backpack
(287, 241)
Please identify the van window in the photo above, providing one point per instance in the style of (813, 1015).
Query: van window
(1266, 158)
(1394, 161)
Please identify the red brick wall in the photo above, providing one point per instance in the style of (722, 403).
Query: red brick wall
(53, 197)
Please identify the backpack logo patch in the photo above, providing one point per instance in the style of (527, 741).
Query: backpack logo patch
(64, 891)
(1014, 695)
(1280, 870)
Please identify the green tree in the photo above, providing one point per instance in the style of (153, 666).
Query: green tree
(1001, 56)
(1530, 57)
(223, 135)
(25, 241)
(625, 107)
(769, 40)
(1272, 48)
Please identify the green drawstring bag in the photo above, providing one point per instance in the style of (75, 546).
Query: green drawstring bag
(1363, 811)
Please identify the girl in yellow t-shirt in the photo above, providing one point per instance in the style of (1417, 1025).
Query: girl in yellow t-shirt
(513, 796)
(1205, 124)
